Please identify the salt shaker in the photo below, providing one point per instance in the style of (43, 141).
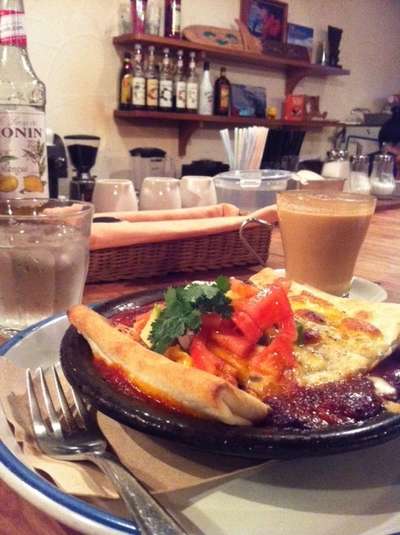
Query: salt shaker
(382, 176)
(337, 165)
(359, 181)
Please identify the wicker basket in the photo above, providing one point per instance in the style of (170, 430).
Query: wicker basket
(214, 251)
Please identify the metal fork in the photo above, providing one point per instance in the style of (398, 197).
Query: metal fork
(77, 437)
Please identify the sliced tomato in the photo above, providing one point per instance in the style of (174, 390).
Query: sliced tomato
(241, 289)
(205, 360)
(235, 343)
(215, 322)
(246, 325)
(287, 328)
(278, 354)
(267, 307)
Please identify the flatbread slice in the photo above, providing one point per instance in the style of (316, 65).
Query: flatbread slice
(350, 336)
(194, 391)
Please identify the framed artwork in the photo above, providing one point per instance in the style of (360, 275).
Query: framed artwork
(265, 19)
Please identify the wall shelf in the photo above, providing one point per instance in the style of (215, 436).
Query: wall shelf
(188, 123)
(294, 69)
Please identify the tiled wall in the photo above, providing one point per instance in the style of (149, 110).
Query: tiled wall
(70, 44)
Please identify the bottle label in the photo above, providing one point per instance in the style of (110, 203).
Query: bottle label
(138, 91)
(12, 31)
(23, 154)
(180, 89)
(166, 94)
(152, 92)
(126, 89)
(192, 96)
(224, 97)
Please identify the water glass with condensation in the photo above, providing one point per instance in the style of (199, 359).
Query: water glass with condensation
(44, 258)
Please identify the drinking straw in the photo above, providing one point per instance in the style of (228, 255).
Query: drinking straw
(248, 146)
(227, 145)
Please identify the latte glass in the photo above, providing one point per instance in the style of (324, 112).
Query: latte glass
(322, 233)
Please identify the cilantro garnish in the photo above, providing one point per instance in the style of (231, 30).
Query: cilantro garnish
(183, 310)
(300, 333)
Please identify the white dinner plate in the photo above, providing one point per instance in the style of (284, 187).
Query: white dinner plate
(356, 493)
(361, 289)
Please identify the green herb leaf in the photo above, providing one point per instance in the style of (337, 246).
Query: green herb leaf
(300, 333)
(183, 310)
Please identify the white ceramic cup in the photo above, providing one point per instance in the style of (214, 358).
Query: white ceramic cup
(113, 195)
(197, 191)
(160, 193)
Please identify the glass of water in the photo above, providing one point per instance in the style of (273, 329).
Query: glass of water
(44, 258)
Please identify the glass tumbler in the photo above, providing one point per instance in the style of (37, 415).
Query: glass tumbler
(322, 233)
(44, 258)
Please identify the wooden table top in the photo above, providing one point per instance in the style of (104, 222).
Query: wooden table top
(379, 261)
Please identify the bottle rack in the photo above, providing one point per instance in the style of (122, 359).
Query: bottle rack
(188, 123)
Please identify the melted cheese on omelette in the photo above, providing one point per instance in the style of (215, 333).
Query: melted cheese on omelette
(342, 337)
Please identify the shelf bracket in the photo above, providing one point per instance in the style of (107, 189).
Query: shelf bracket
(186, 130)
(293, 77)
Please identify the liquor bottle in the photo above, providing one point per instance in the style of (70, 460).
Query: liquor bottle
(138, 80)
(206, 92)
(222, 94)
(172, 18)
(152, 83)
(166, 83)
(23, 154)
(125, 83)
(180, 84)
(192, 86)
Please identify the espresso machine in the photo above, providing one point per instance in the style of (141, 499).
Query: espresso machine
(82, 150)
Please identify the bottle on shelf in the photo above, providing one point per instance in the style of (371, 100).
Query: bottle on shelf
(222, 94)
(172, 27)
(23, 155)
(206, 92)
(166, 83)
(138, 80)
(180, 84)
(152, 82)
(125, 83)
(192, 86)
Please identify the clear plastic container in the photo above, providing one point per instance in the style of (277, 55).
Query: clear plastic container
(249, 190)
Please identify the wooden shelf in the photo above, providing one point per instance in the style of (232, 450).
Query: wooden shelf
(295, 69)
(188, 123)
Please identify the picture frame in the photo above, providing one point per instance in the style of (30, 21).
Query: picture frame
(265, 19)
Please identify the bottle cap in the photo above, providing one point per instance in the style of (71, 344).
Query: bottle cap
(206, 65)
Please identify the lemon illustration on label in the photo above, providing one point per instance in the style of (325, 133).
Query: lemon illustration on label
(33, 184)
(8, 183)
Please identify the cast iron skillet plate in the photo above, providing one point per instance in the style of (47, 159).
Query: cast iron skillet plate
(252, 442)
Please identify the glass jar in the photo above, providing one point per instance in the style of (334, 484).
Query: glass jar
(382, 176)
(359, 181)
(337, 165)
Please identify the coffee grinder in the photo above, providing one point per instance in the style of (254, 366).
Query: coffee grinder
(82, 150)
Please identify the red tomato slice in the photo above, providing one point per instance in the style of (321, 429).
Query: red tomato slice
(287, 328)
(215, 322)
(204, 359)
(266, 308)
(279, 354)
(247, 326)
(236, 344)
(242, 289)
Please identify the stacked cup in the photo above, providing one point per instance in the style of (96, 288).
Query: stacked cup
(158, 193)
